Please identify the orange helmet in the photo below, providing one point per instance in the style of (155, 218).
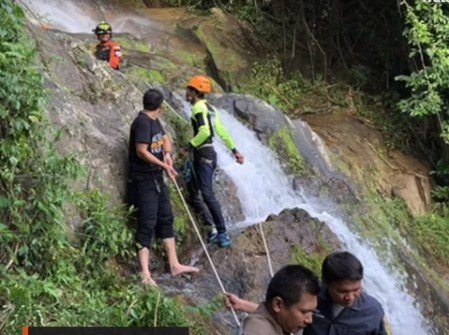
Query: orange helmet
(201, 83)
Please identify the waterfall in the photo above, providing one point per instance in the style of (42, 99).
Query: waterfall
(264, 188)
(83, 16)
(63, 15)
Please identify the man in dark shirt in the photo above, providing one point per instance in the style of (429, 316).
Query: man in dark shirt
(149, 155)
(343, 308)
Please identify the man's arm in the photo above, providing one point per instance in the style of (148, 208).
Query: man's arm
(168, 149)
(238, 304)
(143, 153)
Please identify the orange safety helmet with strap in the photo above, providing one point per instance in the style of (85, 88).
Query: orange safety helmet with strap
(200, 83)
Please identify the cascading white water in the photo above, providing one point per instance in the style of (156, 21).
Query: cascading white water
(264, 188)
(63, 15)
(75, 17)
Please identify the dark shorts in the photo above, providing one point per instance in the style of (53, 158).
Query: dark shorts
(149, 194)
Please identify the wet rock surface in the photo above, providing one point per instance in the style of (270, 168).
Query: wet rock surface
(244, 269)
(94, 106)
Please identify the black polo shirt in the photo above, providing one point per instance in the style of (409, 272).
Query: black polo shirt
(145, 130)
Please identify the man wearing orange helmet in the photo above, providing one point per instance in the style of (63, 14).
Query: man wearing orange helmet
(106, 49)
(206, 122)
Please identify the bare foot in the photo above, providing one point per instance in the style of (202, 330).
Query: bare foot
(180, 269)
(148, 281)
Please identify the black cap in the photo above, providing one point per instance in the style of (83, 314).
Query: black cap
(152, 99)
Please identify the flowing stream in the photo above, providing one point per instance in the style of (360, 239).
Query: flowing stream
(264, 188)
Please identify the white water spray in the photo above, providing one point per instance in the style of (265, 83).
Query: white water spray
(62, 15)
(264, 188)
(77, 17)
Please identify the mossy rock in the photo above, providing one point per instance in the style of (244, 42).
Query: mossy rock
(283, 144)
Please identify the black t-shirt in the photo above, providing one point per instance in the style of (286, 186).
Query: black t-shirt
(145, 130)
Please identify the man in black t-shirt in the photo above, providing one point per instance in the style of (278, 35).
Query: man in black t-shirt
(149, 155)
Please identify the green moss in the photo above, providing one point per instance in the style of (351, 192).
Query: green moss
(127, 44)
(283, 144)
(224, 58)
(312, 261)
(147, 76)
(189, 58)
(430, 232)
(380, 220)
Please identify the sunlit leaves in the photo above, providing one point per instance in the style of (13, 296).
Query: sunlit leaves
(426, 32)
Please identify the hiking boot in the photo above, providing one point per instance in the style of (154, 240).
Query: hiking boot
(223, 240)
(212, 236)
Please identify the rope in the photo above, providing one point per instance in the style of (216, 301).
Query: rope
(179, 191)
(205, 250)
(270, 266)
(265, 245)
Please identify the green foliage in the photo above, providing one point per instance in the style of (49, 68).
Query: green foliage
(47, 279)
(105, 234)
(267, 82)
(33, 177)
(261, 23)
(441, 193)
(426, 33)
(430, 235)
(283, 144)
(84, 301)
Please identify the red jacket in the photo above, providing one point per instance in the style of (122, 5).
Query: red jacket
(115, 54)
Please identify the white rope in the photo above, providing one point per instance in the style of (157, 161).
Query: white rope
(270, 266)
(265, 245)
(177, 187)
(205, 250)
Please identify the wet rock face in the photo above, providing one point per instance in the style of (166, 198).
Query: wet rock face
(263, 118)
(360, 150)
(244, 268)
(92, 106)
(226, 193)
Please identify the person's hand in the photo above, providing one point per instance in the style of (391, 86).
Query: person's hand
(239, 157)
(232, 301)
(168, 158)
(171, 172)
